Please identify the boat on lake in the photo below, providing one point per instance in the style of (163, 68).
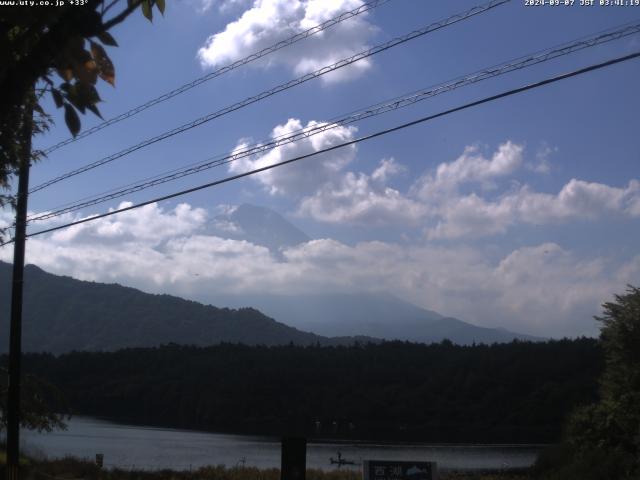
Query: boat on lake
(341, 461)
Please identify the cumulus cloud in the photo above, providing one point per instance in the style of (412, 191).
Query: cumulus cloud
(459, 214)
(439, 201)
(307, 175)
(148, 224)
(363, 199)
(388, 168)
(471, 215)
(542, 162)
(540, 289)
(270, 21)
(470, 167)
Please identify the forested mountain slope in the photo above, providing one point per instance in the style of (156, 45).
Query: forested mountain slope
(62, 314)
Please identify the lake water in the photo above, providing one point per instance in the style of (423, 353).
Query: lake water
(128, 446)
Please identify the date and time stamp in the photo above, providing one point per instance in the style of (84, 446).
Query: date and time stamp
(526, 3)
(581, 3)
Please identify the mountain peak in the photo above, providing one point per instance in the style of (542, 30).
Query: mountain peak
(257, 225)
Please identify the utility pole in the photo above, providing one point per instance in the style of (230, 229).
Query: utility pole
(15, 335)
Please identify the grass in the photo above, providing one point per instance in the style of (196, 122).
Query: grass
(75, 469)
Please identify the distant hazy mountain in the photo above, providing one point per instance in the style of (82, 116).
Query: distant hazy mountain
(257, 225)
(374, 315)
(63, 314)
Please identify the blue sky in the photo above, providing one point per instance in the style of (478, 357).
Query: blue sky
(522, 213)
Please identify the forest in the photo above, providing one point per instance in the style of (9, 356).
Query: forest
(519, 392)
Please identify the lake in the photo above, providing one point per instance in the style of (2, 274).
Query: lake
(129, 446)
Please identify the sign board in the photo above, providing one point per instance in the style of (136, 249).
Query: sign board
(99, 459)
(397, 470)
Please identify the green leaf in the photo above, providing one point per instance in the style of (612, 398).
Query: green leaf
(107, 39)
(57, 97)
(161, 5)
(146, 9)
(71, 119)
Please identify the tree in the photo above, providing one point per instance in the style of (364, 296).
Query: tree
(58, 51)
(603, 439)
(614, 423)
(37, 395)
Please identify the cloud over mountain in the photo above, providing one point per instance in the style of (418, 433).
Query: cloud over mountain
(170, 251)
(472, 196)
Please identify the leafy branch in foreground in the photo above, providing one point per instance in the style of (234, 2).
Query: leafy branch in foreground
(58, 51)
(37, 397)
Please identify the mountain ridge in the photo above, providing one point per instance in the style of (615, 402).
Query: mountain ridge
(376, 314)
(62, 314)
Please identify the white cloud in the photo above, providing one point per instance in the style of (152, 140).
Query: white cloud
(542, 164)
(470, 167)
(363, 199)
(305, 176)
(388, 168)
(148, 224)
(436, 201)
(7, 217)
(270, 21)
(231, 5)
(471, 215)
(541, 289)
(224, 7)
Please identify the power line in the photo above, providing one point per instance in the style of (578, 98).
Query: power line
(280, 88)
(378, 109)
(221, 71)
(380, 133)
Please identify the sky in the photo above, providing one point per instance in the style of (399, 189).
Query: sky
(522, 213)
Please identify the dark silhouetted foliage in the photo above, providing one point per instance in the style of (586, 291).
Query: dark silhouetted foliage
(602, 439)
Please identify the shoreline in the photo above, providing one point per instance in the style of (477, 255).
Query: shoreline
(122, 422)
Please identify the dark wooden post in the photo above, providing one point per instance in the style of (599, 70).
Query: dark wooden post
(294, 458)
(15, 333)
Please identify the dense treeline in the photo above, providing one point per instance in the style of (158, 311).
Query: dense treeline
(517, 392)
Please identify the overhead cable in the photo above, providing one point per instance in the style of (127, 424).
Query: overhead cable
(279, 88)
(378, 109)
(380, 133)
(221, 71)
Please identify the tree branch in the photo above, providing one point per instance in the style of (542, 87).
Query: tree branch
(122, 15)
